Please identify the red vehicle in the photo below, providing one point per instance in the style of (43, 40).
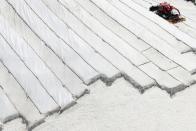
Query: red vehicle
(168, 12)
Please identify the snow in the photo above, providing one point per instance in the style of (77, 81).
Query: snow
(122, 108)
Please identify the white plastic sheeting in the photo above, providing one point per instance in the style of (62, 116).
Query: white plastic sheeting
(52, 50)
